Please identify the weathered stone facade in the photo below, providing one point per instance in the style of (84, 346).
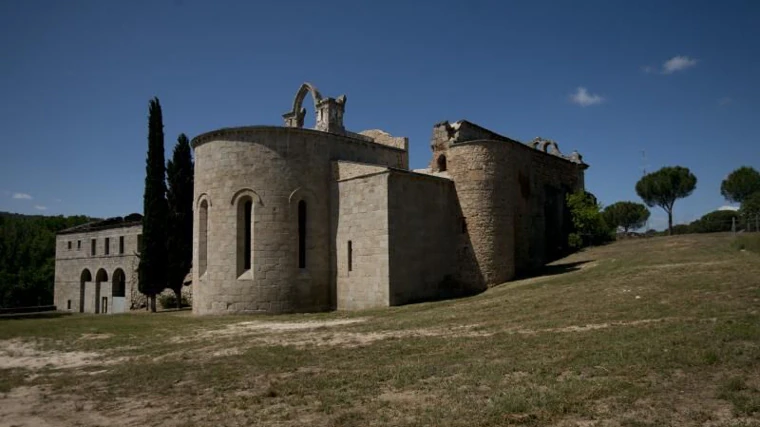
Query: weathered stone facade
(294, 220)
(96, 267)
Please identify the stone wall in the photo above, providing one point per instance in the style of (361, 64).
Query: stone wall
(424, 227)
(360, 216)
(276, 168)
(384, 138)
(512, 198)
(70, 266)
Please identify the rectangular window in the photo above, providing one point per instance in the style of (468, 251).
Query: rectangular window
(108, 245)
(69, 244)
(139, 243)
(93, 244)
(79, 245)
(121, 245)
(350, 256)
(68, 305)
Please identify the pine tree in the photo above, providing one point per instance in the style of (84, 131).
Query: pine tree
(153, 253)
(179, 196)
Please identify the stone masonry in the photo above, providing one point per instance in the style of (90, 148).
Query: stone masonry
(296, 220)
(96, 266)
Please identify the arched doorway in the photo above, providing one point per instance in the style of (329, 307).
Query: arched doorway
(101, 306)
(83, 279)
(118, 291)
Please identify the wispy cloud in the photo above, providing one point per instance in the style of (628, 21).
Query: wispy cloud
(40, 207)
(728, 208)
(583, 98)
(22, 196)
(725, 101)
(57, 200)
(678, 63)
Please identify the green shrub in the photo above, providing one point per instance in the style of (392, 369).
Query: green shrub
(589, 225)
(170, 301)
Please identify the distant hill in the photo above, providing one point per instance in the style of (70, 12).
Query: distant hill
(27, 256)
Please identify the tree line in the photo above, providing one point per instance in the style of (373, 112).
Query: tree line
(27, 257)
(594, 224)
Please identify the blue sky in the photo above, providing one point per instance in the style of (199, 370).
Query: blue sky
(676, 79)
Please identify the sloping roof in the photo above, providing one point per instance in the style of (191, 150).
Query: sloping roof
(115, 222)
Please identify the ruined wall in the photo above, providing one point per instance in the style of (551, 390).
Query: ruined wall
(424, 227)
(384, 138)
(511, 195)
(276, 167)
(485, 188)
(70, 263)
(361, 217)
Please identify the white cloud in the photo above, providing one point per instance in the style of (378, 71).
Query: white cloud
(728, 208)
(678, 63)
(40, 207)
(725, 101)
(583, 98)
(22, 196)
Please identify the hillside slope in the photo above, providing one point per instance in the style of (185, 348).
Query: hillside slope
(652, 332)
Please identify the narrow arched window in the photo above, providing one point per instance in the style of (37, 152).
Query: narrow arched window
(202, 237)
(302, 234)
(248, 208)
(244, 234)
(442, 163)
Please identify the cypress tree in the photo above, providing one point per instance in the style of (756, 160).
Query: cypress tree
(179, 196)
(153, 253)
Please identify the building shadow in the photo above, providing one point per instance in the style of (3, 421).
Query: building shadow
(38, 315)
(552, 270)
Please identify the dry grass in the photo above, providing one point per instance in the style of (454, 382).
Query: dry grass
(664, 331)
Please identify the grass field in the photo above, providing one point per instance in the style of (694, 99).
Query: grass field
(654, 332)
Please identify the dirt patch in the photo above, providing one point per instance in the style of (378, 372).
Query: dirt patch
(16, 353)
(37, 406)
(95, 336)
(592, 326)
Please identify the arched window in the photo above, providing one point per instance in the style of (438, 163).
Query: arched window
(244, 234)
(202, 238)
(118, 283)
(302, 234)
(441, 163)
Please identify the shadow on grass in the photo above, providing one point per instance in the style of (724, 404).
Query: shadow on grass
(38, 315)
(552, 270)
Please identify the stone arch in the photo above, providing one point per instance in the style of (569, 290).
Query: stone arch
(305, 88)
(203, 197)
(545, 145)
(301, 193)
(100, 277)
(246, 192)
(295, 117)
(85, 277)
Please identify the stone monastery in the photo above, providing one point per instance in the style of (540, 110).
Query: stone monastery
(289, 219)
